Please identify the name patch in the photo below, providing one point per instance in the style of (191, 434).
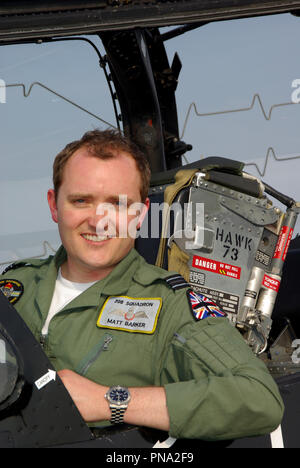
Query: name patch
(131, 314)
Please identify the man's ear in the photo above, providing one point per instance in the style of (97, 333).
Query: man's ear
(52, 204)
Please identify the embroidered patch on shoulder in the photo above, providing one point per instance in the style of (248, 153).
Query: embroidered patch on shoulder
(131, 314)
(177, 282)
(12, 289)
(202, 307)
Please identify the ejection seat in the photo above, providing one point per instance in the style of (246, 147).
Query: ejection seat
(237, 262)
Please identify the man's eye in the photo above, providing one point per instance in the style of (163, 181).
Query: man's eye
(79, 201)
(120, 204)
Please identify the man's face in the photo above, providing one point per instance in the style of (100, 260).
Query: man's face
(92, 223)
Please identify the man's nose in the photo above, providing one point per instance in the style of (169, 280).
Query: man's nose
(104, 220)
(94, 219)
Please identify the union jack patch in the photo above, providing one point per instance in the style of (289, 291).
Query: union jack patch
(202, 307)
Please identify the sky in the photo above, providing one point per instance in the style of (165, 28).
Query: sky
(226, 66)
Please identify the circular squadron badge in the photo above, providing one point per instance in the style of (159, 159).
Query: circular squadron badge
(12, 289)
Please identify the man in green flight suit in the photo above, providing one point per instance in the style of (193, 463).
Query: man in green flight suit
(106, 318)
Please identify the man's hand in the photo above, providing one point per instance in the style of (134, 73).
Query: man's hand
(147, 406)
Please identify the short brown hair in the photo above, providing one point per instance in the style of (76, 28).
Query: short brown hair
(103, 144)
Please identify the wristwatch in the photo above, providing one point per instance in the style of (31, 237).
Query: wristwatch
(118, 398)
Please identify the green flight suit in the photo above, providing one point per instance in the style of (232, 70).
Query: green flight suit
(215, 387)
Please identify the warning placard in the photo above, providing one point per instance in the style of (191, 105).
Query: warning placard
(217, 267)
(271, 283)
(283, 243)
(228, 302)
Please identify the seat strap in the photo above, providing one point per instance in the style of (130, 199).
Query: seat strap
(183, 179)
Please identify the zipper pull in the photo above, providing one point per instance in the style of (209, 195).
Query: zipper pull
(83, 368)
(180, 338)
(107, 340)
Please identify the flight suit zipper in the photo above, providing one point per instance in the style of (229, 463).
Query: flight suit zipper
(43, 339)
(94, 354)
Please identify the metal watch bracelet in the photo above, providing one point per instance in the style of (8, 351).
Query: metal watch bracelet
(117, 414)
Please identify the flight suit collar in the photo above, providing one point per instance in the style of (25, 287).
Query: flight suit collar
(120, 279)
(132, 268)
(116, 283)
(46, 282)
(147, 274)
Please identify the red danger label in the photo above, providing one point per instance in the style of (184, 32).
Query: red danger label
(216, 267)
(283, 243)
(271, 283)
(287, 244)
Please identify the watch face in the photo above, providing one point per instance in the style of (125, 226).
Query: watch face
(119, 395)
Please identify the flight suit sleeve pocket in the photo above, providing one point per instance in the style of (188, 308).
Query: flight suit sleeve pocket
(210, 348)
(210, 376)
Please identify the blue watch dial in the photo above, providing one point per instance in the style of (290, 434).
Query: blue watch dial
(119, 395)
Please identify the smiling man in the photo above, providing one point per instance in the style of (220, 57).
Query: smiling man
(126, 337)
(90, 183)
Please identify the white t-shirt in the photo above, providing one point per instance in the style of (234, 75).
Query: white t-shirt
(64, 292)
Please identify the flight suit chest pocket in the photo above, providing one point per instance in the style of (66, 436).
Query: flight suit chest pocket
(94, 354)
(119, 358)
(123, 352)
